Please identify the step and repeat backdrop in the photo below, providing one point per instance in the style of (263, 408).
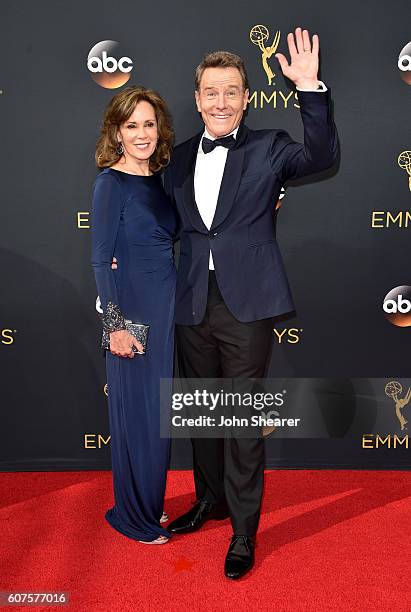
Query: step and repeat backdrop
(342, 360)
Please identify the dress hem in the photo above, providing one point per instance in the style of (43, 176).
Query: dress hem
(133, 536)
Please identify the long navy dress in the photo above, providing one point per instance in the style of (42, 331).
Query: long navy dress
(134, 221)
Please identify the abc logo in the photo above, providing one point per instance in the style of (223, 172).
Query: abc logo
(109, 64)
(397, 306)
(98, 305)
(404, 63)
(280, 197)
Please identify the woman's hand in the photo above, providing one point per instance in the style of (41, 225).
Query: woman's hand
(121, 343)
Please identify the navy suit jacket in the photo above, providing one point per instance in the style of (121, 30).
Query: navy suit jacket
(248, 264)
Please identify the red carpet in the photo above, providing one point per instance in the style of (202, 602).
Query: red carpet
(328, 540)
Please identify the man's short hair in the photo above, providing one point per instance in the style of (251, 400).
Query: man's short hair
(221, 59)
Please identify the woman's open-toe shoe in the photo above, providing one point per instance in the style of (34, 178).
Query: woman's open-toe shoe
(160, 540)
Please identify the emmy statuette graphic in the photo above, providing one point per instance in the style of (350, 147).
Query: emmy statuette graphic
(393, 389)
(404, 162)
(259, 34)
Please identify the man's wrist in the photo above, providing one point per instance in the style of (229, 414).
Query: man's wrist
(311, 84)
(319, 86)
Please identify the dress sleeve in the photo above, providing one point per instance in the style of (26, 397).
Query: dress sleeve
(168, 188)
(105, 220)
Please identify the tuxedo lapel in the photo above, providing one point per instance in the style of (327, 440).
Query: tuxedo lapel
(231, 177)
(188, 186)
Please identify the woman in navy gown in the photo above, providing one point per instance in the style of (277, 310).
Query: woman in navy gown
(134, 221)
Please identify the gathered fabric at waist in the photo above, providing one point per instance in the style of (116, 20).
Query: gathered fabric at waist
(145, 257)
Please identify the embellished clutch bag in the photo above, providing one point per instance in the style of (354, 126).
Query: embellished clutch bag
(113, 320)
(138, 330)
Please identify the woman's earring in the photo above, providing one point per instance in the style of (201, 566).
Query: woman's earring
(119, 149)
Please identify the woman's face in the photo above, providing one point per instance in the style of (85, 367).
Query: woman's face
(139, 134)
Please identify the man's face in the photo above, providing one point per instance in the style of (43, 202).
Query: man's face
(221, 100)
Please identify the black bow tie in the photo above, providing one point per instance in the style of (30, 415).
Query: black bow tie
(209, 145)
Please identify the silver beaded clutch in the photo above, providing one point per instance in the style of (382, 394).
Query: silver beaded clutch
(113, 320)
(138, 330)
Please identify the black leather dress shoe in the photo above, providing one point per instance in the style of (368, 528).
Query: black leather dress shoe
(196, 517)
(240, 556)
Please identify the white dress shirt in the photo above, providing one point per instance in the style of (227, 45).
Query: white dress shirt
(207, 181)
(208, 175)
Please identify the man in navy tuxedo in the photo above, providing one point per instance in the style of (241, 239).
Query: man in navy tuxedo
(231, 281)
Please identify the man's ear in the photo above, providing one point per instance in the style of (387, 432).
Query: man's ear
(246, 94)
(197, 97)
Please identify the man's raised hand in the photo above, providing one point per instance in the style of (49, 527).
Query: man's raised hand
(303, 69)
